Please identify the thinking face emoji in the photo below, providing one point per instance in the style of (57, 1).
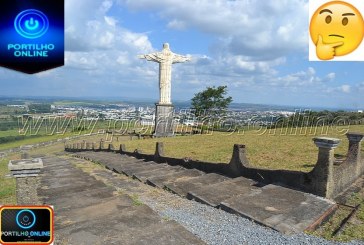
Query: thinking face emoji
(336, 28)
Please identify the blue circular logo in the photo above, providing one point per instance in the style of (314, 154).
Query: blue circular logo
(25, 219)
(31, 23)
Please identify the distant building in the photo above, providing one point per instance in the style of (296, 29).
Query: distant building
(360, 111)
(190, 122)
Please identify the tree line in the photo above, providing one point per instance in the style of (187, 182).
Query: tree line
(320, 118)
(213, 101)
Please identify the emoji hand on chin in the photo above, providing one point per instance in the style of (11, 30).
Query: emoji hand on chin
(326, 51)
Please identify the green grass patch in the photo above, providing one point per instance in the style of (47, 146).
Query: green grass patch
(354, 229)
(7, 185)
(275, 151)
(30, 141)
(136, 201)
(11, 138)
(13, 132)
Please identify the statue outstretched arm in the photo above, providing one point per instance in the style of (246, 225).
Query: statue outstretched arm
(180, 58)
(156, 57)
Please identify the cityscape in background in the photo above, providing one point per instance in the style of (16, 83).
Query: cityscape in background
(142, 114)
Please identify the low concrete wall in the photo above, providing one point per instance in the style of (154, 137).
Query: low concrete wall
(326, 179)
(352, 168)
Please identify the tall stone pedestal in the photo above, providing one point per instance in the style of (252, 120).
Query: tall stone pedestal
(164, 120)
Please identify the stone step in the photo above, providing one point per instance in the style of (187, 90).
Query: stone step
(214, 194)
(25, 164)
(75, 187)
(55, 168)
(118, 166)
(285, 210)
(161, 180)
(126, 224)
(58, 172)
(64, 182)
(109, 155)
(25, 175)
(32, 171)
(105, 157)
(112, 161)
(133, 168)
(71, 202)
(114, 165)
(184, 185)
(90, 212)
(143, 176)
(105, 162)
(97, 192)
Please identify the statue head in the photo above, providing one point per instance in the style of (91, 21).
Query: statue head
(165, 45)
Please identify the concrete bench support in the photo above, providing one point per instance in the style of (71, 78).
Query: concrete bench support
(323, 174)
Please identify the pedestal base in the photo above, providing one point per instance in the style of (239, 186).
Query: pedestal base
(164, 120)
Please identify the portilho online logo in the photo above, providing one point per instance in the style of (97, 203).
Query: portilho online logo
(31, 24)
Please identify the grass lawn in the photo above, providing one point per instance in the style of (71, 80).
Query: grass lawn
(355, 227)
(43, 136)
(275, 151)
(7, 185)
(30, 141)
(13, 132)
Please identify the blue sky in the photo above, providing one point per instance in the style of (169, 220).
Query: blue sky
(259, 49)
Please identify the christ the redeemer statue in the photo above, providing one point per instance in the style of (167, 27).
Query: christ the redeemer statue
(165, 59)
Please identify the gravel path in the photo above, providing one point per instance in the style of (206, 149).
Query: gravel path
(215, 226)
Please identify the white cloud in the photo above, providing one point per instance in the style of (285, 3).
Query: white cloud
(177, 24)
(97, 44)
(331, 77)
(339, 89)
(106, 5)
(123, 58)
(90, 30)
(110, 21)
(298, 79)
(248, 28)
(346, 88)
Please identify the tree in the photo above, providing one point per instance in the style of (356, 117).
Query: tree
(40, 108)
(211, 100)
